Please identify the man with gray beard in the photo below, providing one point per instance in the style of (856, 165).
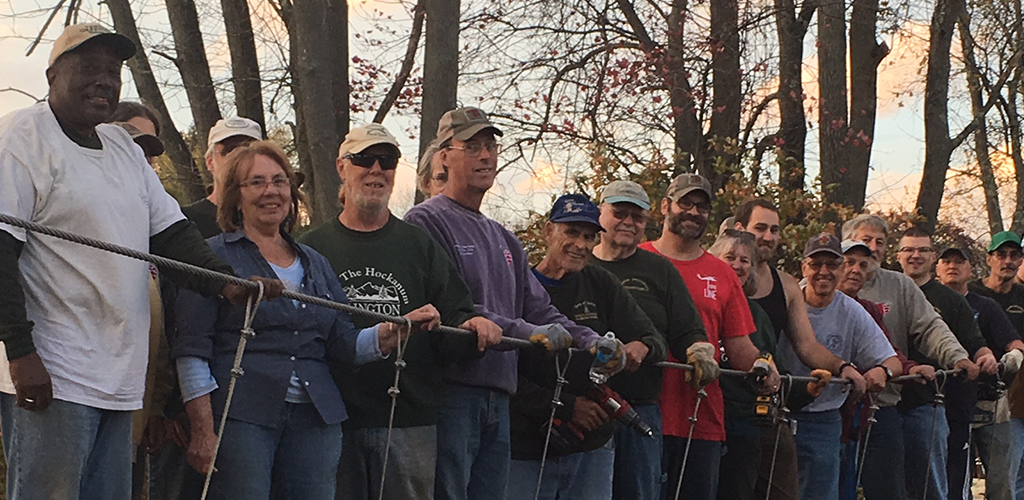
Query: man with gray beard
(387, 265)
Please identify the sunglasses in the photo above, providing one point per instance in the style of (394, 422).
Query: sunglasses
(386, 162)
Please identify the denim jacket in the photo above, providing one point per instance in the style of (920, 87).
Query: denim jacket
(288, 337)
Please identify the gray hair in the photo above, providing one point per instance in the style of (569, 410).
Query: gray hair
(875, 222)
(730, 238)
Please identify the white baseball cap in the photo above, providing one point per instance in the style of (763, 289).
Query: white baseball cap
(230, 127)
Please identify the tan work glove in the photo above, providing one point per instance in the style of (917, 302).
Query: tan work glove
(705, 369)
(815, 388)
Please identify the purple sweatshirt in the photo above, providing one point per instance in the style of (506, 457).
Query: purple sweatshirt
(492, 262)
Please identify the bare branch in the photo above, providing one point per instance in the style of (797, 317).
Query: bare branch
(35, 43)
(22, 92)
(419, 13)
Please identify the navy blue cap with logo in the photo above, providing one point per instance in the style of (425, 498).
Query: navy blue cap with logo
(575, 208)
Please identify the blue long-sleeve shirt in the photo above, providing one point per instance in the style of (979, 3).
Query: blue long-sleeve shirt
(493, 264)
(288, 338)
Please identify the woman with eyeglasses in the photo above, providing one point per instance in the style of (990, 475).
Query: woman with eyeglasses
(284, 424)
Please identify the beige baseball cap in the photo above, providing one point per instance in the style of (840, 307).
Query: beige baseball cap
(75, 35)
(230, 127)
(626, 191)
(686, 183)
(360, 138)
(463, 124)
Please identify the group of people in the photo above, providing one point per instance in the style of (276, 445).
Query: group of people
(327, 404)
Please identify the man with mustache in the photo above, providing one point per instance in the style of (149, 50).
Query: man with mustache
(900, 442)
(1004, 261)
(722, 306)
(390, 266)
(848, 330)
(662, 294)
(74, 320)
(995, 440)
(917, 256)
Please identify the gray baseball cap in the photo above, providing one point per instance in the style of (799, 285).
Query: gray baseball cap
(626, 191)
(686, 183)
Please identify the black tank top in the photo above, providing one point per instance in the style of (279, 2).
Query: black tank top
(775, 305)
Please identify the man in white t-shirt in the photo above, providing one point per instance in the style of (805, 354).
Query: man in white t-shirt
(74, 320)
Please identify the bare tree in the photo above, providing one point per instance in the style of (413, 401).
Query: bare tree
(245, 68)
(727, 103)
(440, 67)
(792, 135)
(337, 14)
(145, 82)
(190, 59)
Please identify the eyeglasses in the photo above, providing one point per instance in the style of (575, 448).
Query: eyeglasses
(261, 183)
(816, 265)
(475, 148)
(912, 250)
(638, 217)
(687, 205)
(366, 160)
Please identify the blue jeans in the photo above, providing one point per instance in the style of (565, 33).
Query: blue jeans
(473, 445)
(300, 456)
(1001, 448)
(171, 477)
(577, 476)
(410, 470)
(926, 452)
(638, 473)
(700, 481)
(817, 449)
(68, 451)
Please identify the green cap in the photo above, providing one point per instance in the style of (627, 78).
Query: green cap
(1002, 238)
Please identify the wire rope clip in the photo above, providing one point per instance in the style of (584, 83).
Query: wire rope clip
(394, 391)
(237, 372)
(248, 333)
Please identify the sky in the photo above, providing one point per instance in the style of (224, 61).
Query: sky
(897, 156)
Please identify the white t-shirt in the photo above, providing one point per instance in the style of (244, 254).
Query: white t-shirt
(847, 330)
(90, 307)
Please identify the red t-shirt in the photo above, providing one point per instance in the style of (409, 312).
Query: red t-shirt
(723, 308)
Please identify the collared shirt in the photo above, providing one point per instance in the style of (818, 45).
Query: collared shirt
(288, 338)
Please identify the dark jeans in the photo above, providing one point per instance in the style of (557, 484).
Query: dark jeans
(411, 463)
(171, 477)
(883, 465)
(68, 451)
(747, 465)
(817, 445)
(700, 480)
(473, 445)
(638, 474)
(958, 463)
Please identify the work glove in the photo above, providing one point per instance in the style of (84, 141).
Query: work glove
(1011, 361)
(608, 361)
(815, 387)
(705, 369)
(553, 337)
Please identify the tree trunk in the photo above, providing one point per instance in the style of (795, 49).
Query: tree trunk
(337, 11)
(865, 56)
(309, 33)
(440, 68)
(938, 146)
(981, 143)
(832, 110)
(245, 68)
(194, 68)
(176, 148)
(687, 130)
(793, 123)
(728, 93)
(1013, 87)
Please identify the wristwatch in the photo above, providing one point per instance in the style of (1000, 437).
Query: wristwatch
(844, 365)
(888, 372)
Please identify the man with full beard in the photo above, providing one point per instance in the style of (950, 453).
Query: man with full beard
(720, 300)
(390, 266)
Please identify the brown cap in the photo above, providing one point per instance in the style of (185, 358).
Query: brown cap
(463, 124)
(685, 183)
(368, 135)
(77, 34)
(150, 144)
